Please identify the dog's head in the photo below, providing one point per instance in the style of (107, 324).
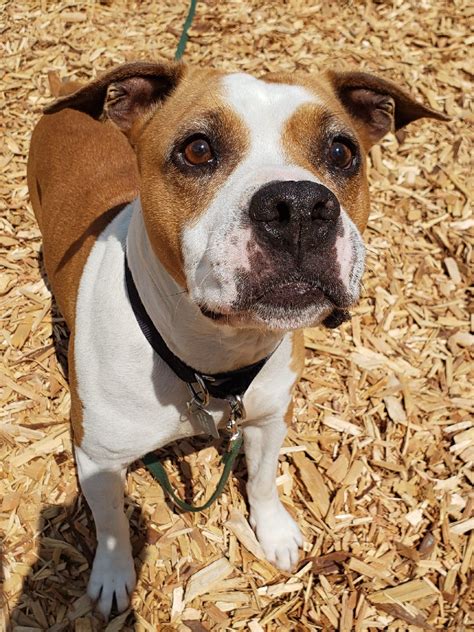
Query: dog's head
(254, 191)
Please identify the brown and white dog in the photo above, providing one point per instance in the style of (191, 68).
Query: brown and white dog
(241, 209)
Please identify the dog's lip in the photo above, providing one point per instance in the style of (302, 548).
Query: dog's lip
(210, 313)
(290, 294)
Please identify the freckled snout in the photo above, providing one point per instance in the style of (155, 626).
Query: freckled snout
(294, 216)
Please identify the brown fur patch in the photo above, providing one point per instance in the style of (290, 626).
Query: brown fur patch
(297, 366)
(80, 173)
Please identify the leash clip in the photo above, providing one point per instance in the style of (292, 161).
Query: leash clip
(237, 414)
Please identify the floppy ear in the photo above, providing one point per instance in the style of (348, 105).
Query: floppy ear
(123, 94)
(377, 106)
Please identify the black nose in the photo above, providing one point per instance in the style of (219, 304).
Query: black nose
(294, 213)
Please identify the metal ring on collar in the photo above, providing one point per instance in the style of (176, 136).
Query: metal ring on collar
(201, 394)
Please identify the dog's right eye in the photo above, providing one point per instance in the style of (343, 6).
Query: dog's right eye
(198, 152)
(341, 154)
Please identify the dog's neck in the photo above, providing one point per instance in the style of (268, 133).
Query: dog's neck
(194, 338)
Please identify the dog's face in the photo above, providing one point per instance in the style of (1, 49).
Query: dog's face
(254, 191)
(265, 182)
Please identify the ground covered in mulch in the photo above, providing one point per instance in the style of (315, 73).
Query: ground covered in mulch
(377, 468)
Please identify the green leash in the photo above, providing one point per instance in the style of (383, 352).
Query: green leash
(197, 403)
(158, 471)
(183, 40)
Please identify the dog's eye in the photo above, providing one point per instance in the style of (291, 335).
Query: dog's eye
(198, 152)
(341, 154)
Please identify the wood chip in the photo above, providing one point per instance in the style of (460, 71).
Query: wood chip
(463, 526)
(339, 469)
(341, 425)
(405, 613)
(395, 409)
(244, 533)
(329, 563)
(375, 569)
(313, 482)
(453, 270)
(409, 591)
(207, 578)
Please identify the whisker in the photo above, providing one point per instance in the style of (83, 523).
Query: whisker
(177, 293)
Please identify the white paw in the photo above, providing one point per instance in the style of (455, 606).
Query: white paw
(278, 534)
(113, 573)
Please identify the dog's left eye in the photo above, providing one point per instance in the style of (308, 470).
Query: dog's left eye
(198, 152)
(341, 154)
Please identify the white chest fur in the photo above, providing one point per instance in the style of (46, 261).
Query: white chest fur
(132, 401)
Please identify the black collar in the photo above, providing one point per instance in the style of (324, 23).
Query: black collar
(220, 385)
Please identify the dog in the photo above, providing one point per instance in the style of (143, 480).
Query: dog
(233, 208)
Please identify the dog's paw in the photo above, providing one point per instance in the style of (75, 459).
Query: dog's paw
(113, 573)
(278, 534)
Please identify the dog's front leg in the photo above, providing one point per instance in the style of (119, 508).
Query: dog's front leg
(276, 530)
(113, 571)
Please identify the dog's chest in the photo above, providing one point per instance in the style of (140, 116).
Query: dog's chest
(132, 402)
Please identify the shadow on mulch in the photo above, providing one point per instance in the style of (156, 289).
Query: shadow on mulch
(60, 574)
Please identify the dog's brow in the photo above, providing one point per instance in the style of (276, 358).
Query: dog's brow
(328, 117)
(333, 123)
(325, 118)
(205, 121)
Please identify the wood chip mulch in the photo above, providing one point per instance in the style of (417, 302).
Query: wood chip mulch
(377, 468)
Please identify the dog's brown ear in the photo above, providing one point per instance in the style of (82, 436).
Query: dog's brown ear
(123, 94)
(376, 105)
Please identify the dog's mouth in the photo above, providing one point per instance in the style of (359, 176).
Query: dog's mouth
(285, 299)
(291, 295)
